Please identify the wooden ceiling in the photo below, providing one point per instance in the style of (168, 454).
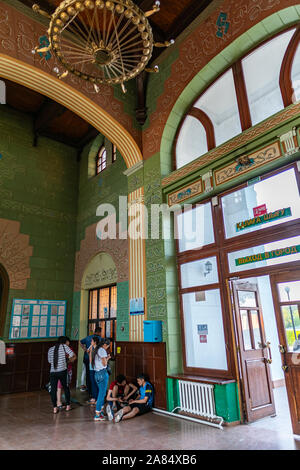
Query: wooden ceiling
(50, 119)
(54, 120)
(174, 15)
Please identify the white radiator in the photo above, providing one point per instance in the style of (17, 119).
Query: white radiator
(197, 398)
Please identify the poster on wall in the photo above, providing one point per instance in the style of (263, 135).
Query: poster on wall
(37, 319)
(137, 306)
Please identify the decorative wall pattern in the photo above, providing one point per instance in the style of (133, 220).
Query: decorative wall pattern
(185, 193)
(245, 164)
(91, 245)
(15, 253)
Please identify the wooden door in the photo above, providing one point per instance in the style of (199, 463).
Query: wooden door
(286, 294)
(254, 350)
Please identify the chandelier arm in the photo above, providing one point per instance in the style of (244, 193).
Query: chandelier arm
(120, 69)
(69, 22)
(108, 29)
(83, 37)
(82, 61)
(67, 47)
(84, 24)
(73, 48)
(91, 22)
(114, 30)
(117, 37)
(132, 48)
(128, 42)
(107, 71)
(99, 37)
(123, 29)
(104, 24)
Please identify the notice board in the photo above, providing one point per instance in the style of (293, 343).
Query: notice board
(34, 319)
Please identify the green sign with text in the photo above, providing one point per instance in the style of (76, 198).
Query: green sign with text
(268, 255)
(262, 219)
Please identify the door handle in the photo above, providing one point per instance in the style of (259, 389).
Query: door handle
(282, 350)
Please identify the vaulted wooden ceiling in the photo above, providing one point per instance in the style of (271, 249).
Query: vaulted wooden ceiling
(54, 120)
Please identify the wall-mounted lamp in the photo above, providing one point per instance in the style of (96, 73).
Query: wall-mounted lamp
(208, 268)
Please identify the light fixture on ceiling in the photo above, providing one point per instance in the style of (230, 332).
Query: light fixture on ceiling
(101, 41)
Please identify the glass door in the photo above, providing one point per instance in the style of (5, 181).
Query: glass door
(286, 293)
(254, 351)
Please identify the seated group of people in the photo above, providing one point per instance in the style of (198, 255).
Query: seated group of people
(123, 401)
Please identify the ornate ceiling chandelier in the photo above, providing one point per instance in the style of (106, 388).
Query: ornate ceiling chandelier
(101, 41)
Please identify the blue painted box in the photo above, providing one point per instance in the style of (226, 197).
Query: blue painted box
(153, 331)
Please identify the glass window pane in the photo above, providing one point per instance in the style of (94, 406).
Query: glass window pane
(238, 206)
(199, 273)
(256, 329)
(104, 303)
(195, 227)
(203, 329)
(247, 298)
(191, 142)
(245, 329)
(295, 75)
(268, 254)
(289, 291)
(220, 104)
(93, 304)
(261, 72)
(291, 320)
(113, 302)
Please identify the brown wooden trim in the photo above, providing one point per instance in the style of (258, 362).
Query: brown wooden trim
(207, 124)
(285, 78)
(241, 95)
(3, 298)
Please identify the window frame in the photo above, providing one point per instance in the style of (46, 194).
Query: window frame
(285, 86)
(99, 161)
(221, 248)
(98, 320)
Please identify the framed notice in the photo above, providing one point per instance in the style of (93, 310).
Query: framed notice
(37, 319)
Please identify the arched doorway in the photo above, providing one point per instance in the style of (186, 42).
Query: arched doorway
(4, 287)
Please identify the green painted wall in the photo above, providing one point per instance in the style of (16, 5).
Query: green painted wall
(93, 191)
(38, 188)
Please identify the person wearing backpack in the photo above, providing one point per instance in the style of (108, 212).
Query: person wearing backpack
(57, 357)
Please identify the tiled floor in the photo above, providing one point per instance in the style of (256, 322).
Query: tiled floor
(27, 422)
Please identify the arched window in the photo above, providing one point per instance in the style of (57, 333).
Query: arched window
(257, 86)
(101, 160)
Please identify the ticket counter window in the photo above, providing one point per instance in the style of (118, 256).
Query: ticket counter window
(204, 333)
(261, 205)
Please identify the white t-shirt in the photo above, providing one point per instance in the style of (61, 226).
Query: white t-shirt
(98, 362)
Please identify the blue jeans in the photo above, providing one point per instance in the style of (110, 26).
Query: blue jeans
(94, 386)
(101, 377)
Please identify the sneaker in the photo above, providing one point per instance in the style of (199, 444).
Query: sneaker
(100, 417)
(83, 388)
(118, 416)
(109, 413)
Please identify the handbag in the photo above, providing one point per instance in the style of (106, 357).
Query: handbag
(108, 368)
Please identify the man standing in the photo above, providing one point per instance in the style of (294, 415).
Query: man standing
(143, 404)
(85, 343)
